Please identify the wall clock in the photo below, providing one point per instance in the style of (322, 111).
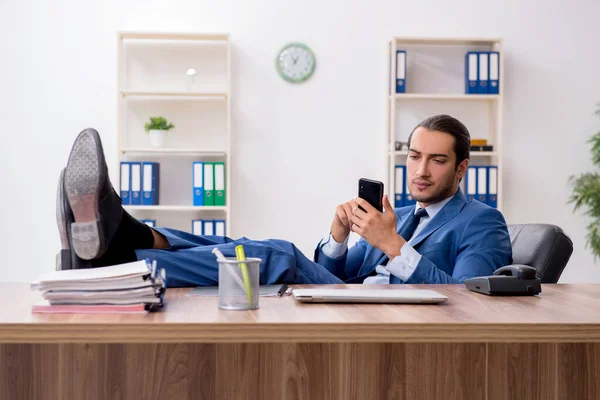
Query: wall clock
(295, 62)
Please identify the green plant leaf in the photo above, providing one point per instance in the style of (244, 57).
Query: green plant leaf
(586, 195)
(159, 123)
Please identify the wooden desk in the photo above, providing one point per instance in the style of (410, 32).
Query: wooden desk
(472, 347)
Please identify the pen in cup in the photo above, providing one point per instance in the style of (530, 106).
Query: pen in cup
(239, 252)
(234, 275)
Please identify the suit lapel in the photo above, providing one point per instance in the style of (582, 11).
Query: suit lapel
(449, 211)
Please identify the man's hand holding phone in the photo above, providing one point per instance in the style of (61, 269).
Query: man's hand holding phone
(377, 228)
(342, 221)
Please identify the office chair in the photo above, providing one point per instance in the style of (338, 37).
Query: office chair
(545, 247)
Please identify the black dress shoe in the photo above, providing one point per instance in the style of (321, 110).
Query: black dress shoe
(66, 258)
(95, 205)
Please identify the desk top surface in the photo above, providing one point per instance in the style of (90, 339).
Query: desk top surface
(563, 312)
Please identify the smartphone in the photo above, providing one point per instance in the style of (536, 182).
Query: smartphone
(371, 191)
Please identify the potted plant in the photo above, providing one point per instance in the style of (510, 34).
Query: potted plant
(586, 193)
(157, 128)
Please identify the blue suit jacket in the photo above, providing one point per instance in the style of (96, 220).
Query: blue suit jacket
(465, 239)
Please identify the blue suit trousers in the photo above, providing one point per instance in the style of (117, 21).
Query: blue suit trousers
(190, 262)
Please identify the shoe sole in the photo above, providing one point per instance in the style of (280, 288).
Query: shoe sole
(83, 179)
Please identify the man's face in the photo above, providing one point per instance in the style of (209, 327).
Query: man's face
(431, 167)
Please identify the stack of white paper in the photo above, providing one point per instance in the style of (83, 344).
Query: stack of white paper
(136, 286)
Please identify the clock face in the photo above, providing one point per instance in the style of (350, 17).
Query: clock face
(295, 62)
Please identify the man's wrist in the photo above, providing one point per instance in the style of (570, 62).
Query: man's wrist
(339, 237)
(392, 248)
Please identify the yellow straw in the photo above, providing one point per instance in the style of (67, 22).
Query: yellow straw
(239, 252)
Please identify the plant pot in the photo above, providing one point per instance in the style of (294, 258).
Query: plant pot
(157, 137)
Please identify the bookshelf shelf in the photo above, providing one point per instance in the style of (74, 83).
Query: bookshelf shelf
(173, 95)
(434, 96)
(176, 208)
(473, 153)
(150, 150)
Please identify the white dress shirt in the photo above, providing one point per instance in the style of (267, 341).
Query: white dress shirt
(401, 266)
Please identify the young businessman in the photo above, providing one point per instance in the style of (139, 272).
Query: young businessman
(444, 239)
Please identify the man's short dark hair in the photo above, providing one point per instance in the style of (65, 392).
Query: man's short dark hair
(451, 126)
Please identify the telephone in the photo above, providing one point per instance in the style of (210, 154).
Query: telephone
(510, 280)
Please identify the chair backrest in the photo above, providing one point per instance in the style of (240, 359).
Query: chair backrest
(545, 247)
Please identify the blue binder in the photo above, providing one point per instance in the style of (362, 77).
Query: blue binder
(471, 73)
(484, 71)
(471, 183)
(494, 85)
(198, 183)
(401, 71)
(136, 183)
(151, 183)
(408, 199)
(482, 184)
(493, 186)
(125, 184)
(399, 186)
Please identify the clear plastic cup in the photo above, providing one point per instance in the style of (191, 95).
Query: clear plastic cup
(237, 290)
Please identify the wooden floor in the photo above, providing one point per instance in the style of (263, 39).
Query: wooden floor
(491, 371)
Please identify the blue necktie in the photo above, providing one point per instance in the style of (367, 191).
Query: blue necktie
(408, 231)
(409, 228)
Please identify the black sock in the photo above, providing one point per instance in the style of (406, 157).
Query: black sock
(137, 234)
(130, 236)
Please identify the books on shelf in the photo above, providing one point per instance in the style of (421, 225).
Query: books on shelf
(481, 183)
(208, 183)
(402, 196)
(140, 183)
(132, 287)
(203, 227)
(482, 72)
(400, 71)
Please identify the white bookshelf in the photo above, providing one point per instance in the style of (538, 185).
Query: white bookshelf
(165, 95)
(473, 153)
(176, 208)
(174, 151)
(152, 81)
(435, 84)
(434, 96)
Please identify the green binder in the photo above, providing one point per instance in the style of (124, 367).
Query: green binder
(219, 169)
(209, 184)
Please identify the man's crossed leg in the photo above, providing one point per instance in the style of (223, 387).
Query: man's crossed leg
(96, 231)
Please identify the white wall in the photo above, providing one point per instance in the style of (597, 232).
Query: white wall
(298, 149)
